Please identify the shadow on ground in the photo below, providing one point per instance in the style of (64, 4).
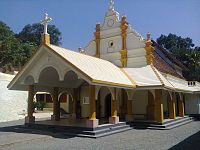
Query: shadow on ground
(27, 130)
(190, 143)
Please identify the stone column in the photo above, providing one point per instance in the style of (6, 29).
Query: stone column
(159, 117)
(75, 97)
(30, 118)
(172, 107)
(56, 105)
(92, 122)
(129, 115)
(181, 106)
(114, 119)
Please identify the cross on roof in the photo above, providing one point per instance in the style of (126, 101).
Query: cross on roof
(111, 5)
(45, 22)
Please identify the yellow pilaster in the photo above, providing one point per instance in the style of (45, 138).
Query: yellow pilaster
(92, 115)
(159, 117)
(45, 39)
(30, 100)
(123, 52)
(97, 40)
(113, 108)
(149, 49)
(181, 107)
(172, 109)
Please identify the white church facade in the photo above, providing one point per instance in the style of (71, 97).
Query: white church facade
(118, 77)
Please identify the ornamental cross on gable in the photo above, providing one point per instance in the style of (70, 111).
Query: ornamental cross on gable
(45, 22)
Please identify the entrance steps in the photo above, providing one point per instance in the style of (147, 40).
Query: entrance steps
(168, 123)
(102, 130)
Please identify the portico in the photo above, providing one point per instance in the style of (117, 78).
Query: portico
(116, 79)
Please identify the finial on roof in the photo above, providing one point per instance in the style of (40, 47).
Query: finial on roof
(45, 35)
(148, 36)
(45, 22)
(111, 5)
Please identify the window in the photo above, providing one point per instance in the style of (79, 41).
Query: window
(86, 100)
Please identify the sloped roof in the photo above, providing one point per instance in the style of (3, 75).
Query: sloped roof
(96, 70)
(148, 76)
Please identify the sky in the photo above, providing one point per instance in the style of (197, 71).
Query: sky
(76, 19)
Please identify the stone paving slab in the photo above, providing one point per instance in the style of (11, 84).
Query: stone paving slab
(184, 137)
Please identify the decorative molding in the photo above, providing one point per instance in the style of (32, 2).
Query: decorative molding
(149, 50)
(97, 40)
(123, 52)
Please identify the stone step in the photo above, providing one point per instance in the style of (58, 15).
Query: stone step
(103, 130)
(167, 125)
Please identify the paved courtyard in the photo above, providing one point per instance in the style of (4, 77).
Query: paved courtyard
(184, 137)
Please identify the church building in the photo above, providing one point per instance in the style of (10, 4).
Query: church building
(118, 77)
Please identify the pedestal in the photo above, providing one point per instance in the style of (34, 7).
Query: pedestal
(29, 119)
(73, 116)
(114, 120)
(129, 118)
(55, 118)
(92, 123)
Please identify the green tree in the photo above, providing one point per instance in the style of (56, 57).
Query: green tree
(172, 41)
(12, 51)
(183, 49)
(32, 33)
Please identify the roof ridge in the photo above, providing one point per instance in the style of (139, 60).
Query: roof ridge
(158, 76)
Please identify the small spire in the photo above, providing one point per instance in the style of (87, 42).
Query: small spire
(111, 5)
(148, 36)
(45, 36)
(45, 22)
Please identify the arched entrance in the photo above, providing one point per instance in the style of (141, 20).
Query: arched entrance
(43, 100)
(108, 106)
(150, 107)
(122, 99)
(103, 105)
(66, 104)
(177, 103)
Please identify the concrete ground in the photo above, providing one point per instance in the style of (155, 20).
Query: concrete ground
(184, 137)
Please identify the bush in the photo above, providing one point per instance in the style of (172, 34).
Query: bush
(39, 105)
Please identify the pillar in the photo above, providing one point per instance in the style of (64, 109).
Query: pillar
(75, 97)
(97, 40)
(92, 122)
(56, 105)
(123, 51)
(172, 107)
(30, 118)
(181, 106)
(159, 117)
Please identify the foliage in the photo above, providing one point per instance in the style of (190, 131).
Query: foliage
(16, 49)
(183, 49)
(40, 105)
(32, 33)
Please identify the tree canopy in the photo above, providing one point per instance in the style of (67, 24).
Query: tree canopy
(16, 49)
(185, 51)
(32, 33)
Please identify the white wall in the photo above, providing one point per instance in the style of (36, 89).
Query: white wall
(12, 103)
(140, 101)
(192, 104)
